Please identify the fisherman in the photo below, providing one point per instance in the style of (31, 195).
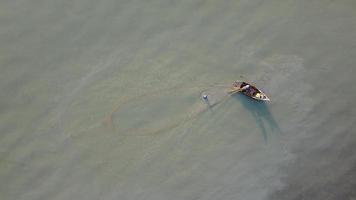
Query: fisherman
(206, 100)
(240, 87)
(205, 97)
(244, 87)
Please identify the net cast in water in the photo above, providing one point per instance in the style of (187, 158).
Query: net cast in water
(162, 110)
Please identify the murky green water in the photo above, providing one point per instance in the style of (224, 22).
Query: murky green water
(68, 65)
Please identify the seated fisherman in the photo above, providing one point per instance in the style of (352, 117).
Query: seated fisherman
(244, 87)
(240, 87)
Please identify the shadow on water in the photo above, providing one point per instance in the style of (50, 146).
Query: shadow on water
(261, 113)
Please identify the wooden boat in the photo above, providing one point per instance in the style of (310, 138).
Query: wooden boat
(248, 90)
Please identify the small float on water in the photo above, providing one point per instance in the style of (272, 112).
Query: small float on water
(248, 90)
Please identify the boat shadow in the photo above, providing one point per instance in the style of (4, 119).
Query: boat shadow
(262, 115)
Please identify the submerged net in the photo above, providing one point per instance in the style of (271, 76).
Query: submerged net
(163, 110)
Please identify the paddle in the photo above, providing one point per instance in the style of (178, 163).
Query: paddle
(234, 91)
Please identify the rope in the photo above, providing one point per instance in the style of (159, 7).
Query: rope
(197, 108)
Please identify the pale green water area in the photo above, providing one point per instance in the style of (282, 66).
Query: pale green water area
(102, 100)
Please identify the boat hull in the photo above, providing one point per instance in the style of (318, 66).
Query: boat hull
(252, 91)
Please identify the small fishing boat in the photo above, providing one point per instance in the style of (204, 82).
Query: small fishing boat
(248, 90)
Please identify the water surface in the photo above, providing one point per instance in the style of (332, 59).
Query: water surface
(66, 65)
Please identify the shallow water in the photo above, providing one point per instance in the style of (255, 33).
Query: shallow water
(67, 65)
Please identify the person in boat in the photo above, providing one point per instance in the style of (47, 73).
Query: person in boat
(251, 91)
(241, 87)
(245, 87)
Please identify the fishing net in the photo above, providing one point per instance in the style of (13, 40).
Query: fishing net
(165, 109)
